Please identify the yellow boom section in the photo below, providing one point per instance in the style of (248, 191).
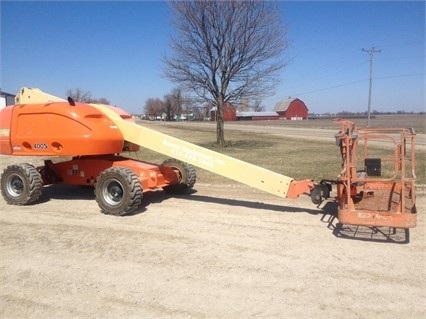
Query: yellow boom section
(229, 167)
(235, 169)
(34, 95)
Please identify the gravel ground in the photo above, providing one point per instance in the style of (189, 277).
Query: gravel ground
(225, 251)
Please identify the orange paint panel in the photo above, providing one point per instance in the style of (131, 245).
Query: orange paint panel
(5, 120)
(60, 129)
(377, 218)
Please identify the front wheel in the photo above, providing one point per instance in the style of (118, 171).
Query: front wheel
(21, 184)
(118, 191)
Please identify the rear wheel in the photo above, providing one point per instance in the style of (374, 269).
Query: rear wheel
(186, 175)
(118, 191)
(21, 184)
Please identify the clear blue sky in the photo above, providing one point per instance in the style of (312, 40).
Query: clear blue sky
(115, 50)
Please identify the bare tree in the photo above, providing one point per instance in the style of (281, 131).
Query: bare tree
(257, 106)
(225, 50)
(101, 100)
(79, 95)
(243, 105)
(173, 103)
(154, 107)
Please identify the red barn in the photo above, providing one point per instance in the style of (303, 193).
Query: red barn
(229, 113)
(291, 109)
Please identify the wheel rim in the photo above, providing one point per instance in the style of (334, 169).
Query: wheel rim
(113, 192)
(15, 186)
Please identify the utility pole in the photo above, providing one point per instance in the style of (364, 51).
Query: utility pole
(371, 53)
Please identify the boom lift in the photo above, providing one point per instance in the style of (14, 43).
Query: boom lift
(94, 135)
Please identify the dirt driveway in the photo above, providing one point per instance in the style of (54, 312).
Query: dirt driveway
(226, 251)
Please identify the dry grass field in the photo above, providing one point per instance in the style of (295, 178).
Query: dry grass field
(416, 121)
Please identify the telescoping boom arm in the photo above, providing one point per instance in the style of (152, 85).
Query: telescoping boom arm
(215, 162)
(227, 166)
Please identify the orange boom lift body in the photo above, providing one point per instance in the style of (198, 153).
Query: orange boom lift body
(82, 143)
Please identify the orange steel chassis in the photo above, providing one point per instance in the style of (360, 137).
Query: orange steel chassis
(376, 187)
(84, 170)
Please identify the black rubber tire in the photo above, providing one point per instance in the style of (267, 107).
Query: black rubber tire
(187, 176)
(316, 197)
(320, 192)
(21, 184)
(118, 191)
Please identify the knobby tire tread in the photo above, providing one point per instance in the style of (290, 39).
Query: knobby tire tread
(133, 185)
(33, 180)
(189, 176)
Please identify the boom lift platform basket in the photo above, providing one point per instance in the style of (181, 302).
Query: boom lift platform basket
(376, 186)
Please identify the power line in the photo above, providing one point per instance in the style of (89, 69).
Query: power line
(399, 76)
(352, 82)
(371, 53)
(328, 88)
(325, 75)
